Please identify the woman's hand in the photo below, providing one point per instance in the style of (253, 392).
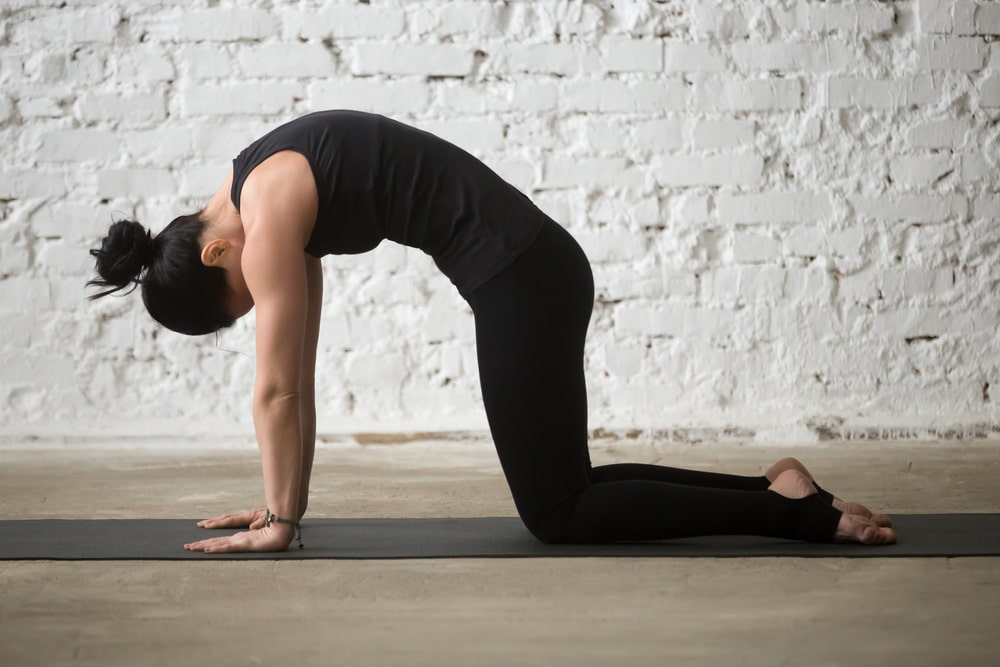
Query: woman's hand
(275, 537)
(252, 519)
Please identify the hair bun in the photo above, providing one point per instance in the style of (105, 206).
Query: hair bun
(124, 253)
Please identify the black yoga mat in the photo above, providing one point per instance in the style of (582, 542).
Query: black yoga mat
(488, 537)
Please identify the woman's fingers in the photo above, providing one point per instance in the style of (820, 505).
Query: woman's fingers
(234, 520)
(226, 544)
(253, 540)
(221, 521)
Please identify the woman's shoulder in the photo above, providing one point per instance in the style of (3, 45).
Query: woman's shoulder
(281, 190)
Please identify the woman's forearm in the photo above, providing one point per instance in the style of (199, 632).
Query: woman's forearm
(279, 436)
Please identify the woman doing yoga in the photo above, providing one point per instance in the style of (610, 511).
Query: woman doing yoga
(339, 182)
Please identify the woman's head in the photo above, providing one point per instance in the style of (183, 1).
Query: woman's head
(180, 290)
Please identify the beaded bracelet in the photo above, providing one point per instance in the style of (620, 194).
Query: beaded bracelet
(272, 518)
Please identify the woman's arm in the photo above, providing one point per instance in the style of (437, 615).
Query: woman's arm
(278, 211)
(307, 379)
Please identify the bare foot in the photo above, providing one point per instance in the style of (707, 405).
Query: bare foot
(854, 528)
(857, 509)
(789, 463)
(795, 484)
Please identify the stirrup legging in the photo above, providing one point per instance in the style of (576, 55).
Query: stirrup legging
(531, 323)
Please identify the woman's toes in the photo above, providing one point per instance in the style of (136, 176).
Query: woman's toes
(854, 528)
(860, 510)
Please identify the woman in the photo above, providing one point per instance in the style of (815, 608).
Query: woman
(340, 182)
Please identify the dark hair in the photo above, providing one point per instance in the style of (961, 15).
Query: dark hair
(179, 291)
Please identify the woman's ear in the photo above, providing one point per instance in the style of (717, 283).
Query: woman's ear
(213, 252)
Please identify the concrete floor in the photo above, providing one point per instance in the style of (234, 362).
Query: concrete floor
(600, 611)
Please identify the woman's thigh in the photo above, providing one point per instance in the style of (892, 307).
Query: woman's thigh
(531, 325)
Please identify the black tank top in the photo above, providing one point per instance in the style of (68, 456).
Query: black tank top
(380, 179)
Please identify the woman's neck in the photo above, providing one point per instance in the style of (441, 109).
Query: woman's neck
(220, 214)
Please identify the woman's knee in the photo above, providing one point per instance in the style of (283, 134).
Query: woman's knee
(549, 527)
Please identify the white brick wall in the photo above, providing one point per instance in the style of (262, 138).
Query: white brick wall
(791, 205)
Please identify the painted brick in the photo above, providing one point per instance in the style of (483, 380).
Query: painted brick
(623, 361)
(135, 183)
(201, 181)
(476, 136)
(548, 18)
(965, 54)
(36, 368)
(932, 283)
(658, 135)
(847, 242)
(130, 110)
(403, 58)
(67, 260)
(751, 248)
(72, 221)
(718, 21)
(889, 94)
(690, 209)
(915, 170)
(736, 95)
(204, 61)
(936, 16)
(622, 96)
(939, 134)
(987, 19)
(620, 54)
(588, 172)
(16, 184)
(989, 92)
(563, 59)
(602, 137)
(239, 98)
(804, 241)
(79, 146)
(977, 167)
(686, 57)
(711, 170)
(390, 369)
(522, 96)
(808, 284)
(343, 21)
(826, 56)
(865, 16)
(646, 321)
(616, 246)
(71, 27)
(912, 322)
(739, 284)
(18, 295)
(162, 146)
(373, 95)
(774, 208)
(40, 107)
(964, 18)
(986, 206)
(454, 18)
(285, 61)
(911, 208)
(723, 134)
(224, 25)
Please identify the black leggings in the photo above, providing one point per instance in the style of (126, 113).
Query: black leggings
(531, 322)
